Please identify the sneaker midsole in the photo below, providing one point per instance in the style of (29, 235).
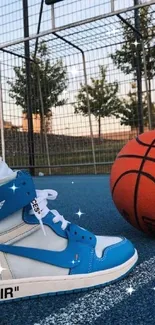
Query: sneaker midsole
(26, 287)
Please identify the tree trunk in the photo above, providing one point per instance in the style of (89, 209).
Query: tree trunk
(139, 70)
(149, 85)
(42, 132)
(99, 128)
(150, 101)
(41, 124)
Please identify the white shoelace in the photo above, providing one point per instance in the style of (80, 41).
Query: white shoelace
(40, 209)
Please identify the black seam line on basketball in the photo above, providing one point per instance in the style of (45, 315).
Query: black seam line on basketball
(136, 156)
(143, 143)
(137, 183)
(133, 171)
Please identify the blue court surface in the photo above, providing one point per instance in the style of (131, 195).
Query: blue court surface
(109, 305)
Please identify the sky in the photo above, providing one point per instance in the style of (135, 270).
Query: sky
(67, 11)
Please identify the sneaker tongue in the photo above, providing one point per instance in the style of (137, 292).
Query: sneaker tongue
(6, 173)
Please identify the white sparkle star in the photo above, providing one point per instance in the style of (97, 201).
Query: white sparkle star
(130, 290)
(135, 43)
(73, 262)
(79, 213)
(13, 188)
(153, 288)
(72, 182)
(2, 269)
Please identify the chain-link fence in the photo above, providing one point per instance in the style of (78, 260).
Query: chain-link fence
(72, 96)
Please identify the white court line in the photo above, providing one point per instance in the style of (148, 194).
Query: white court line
(91, 306)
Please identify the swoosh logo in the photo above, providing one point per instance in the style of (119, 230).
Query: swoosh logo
(65, 259)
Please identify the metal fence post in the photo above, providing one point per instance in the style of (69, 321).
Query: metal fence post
(44, 124)
(89, 112)
(28, 95)
(146, 87)
(1, 116)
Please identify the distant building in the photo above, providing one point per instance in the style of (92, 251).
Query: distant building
(8, 125)
(37, 123)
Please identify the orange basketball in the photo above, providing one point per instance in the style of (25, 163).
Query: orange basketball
(132, 182)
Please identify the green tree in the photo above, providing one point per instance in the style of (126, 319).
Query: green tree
(103, 98)
(128, 112)
(125, 57)
(53, 80)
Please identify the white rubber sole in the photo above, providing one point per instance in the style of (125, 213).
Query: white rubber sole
(29, 287)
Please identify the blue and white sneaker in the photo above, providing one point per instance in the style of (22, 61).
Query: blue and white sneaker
(41, 253)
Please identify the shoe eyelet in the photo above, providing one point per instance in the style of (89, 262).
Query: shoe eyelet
(75, 233)
(82, 237)
(24, 183)
(90, 238)
(28, 193)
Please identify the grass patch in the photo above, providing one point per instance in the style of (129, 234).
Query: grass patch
(64, 150)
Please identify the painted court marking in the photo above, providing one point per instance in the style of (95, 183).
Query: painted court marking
(101, 300)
